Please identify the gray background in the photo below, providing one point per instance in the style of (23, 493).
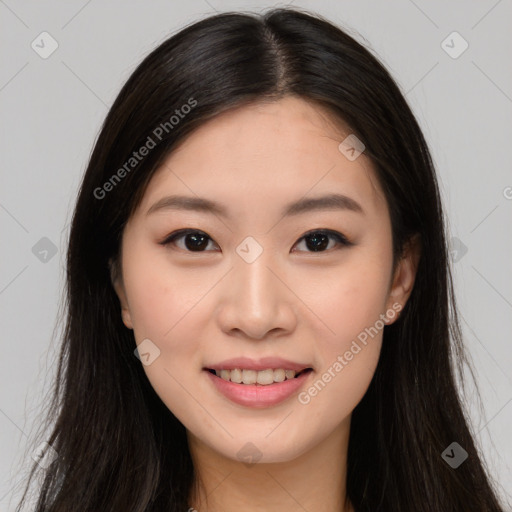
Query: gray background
(52, 110)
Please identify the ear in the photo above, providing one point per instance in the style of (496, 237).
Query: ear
(405, 274)
(117, 282)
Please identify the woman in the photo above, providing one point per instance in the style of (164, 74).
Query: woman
(261, 311)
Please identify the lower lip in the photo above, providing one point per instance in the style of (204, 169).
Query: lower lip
(256, 395)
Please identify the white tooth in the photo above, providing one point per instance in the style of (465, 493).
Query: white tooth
(279, 375)
(236, 376)
(249, 376)
(290, 374)
(265, 377)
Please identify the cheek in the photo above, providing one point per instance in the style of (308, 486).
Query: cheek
(165, 306)
(350, 304)
(347, 300)
(160, 296)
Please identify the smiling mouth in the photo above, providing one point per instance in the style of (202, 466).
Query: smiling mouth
(254, 377)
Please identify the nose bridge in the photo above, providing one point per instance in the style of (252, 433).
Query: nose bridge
(255, 283)
(257, 299)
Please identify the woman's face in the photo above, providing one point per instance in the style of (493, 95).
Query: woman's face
(254, 281)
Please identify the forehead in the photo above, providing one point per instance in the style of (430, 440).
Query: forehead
(266, 153)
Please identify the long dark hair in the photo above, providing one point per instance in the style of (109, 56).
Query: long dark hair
(119, 447)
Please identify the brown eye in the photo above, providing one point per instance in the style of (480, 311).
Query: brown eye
(318, 241)
(194, 240)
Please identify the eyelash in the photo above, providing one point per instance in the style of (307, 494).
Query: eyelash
(339, 237)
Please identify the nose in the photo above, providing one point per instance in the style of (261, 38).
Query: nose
(256, 301)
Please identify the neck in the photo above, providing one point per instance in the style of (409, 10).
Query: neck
(315, 480)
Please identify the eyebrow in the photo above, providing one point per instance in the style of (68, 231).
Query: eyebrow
(304, 205)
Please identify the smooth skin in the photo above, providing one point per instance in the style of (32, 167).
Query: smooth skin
(200, 307)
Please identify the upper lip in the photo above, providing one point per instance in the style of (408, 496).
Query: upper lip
(264, 363)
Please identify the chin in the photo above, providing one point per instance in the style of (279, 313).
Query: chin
(263, 450)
